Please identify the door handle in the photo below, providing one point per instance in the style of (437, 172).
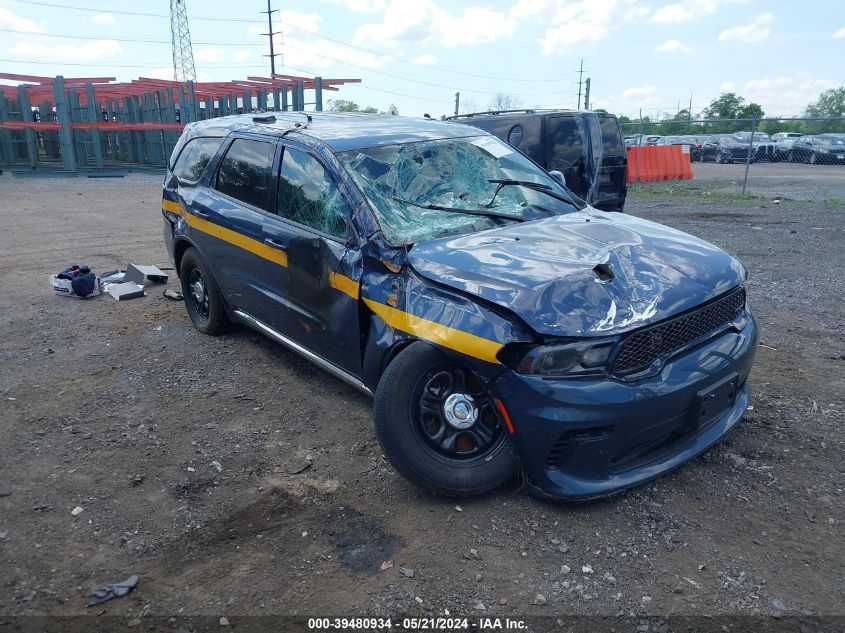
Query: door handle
(202, 214)
(269, 241)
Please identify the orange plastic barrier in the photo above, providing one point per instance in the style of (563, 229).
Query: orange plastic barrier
(658, 162)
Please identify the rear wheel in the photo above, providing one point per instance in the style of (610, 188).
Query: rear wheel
(202, 298)
(439, 426)
(814, 159)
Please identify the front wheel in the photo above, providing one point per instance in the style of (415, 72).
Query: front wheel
(439, 426)
(202, 298)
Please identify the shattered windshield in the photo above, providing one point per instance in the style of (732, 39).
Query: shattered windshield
(399, 180)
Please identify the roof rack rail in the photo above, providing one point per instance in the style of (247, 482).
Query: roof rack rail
(518, 110)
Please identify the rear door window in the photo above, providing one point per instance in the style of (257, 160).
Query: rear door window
(246, 170)
(566, 141)
(308, 195)
(611, 139)
(194, 158)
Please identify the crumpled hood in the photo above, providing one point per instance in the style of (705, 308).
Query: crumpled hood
(543, 271)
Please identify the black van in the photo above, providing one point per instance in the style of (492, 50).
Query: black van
(585, 146)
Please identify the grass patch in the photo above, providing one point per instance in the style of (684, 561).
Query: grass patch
(687, 190)
(834, 203)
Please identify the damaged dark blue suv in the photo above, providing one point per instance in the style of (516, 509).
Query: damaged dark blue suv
(494, 318)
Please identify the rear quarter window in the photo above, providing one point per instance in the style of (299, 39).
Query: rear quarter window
(194, 157)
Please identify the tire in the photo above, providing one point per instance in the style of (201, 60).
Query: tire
(719, 158)
(411, 426)
(790, 157)
(202, 298)
(814, 159)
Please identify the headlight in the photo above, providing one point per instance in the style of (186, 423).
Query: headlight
(568, 359)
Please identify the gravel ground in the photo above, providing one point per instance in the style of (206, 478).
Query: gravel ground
(795, 181)
(236, 479)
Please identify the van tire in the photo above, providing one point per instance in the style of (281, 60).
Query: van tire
(208, 314)
(399, 429)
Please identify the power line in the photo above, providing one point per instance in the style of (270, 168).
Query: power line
(323, 37)
(413, 63)
(417, 81)
(139, 40)
(124, 12)
(119, 65)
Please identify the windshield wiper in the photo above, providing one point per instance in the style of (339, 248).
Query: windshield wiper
(528, 184)
(482, 212)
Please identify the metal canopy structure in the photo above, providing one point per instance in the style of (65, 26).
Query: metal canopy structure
(93, 122)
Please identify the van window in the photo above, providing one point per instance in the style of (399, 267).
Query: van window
(566, 141)
(307, 195)
(246, 171)
(611, 139)
(195, 155)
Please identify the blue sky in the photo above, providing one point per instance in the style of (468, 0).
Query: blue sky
(649, 54)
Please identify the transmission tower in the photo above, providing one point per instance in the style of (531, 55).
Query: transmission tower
(183, 55)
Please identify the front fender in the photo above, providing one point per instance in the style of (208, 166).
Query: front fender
(403, 307)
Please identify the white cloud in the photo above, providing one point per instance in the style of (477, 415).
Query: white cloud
(208, 54)
(686, 10)
(791, 90)
(364, 6)
(727, 86)
(242, 56)
(425, 22)
(103, 18)
(360, 6)
(425, 58)
(317, 56)
(528, 8)
(673, 46)
(96, 50)
(840, 34)
(161, 72)
(9, 20)
(757, 31)
(641, 93)
(577, 22)
(300, 21)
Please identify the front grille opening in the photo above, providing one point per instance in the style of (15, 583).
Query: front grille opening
(641, 348)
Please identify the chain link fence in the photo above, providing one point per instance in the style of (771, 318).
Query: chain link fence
(789, 158)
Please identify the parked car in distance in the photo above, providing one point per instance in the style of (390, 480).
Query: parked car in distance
(783, 144)
(634, 141)
(820, 148)
(734, 148)
(491, 314)
(586, 147)
(693, 143)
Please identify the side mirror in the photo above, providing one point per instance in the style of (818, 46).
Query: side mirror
(558, 175)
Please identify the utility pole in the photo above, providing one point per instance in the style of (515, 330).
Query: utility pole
(690, 107)
(457, 102)
(580, 75)
(587, 94)
(272, 54)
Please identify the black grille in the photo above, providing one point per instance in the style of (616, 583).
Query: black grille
(639, 349)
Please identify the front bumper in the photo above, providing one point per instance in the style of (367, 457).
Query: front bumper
(585, 438)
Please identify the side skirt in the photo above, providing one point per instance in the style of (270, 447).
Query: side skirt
(322, 363)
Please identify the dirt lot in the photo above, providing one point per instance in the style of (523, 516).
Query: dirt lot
(123, 409)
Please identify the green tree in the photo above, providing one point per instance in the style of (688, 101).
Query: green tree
(830, 103)
(725, 106)
(370, 110)
(343, 105)
(392, 110)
